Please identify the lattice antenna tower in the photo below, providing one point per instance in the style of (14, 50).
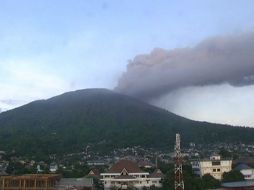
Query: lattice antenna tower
(179, 183)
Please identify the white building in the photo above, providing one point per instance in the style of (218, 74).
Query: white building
(214, 166)
(53, 167)
(247, 171)
(126, 174)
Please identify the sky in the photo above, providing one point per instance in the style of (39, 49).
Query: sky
(48, 47)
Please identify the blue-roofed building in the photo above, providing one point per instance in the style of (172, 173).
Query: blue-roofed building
(247, 171)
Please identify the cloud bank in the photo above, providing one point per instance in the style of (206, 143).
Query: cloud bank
(225, 59)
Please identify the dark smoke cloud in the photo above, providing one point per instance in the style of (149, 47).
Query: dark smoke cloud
(228, 59)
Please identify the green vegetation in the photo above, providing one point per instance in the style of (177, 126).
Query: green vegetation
(233, 175)
(191, 181)
(210, 182)
(16, 168)
(107, 120)
(74, 173)
(225, 154)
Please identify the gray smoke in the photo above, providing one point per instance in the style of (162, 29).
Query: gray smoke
(226, 59)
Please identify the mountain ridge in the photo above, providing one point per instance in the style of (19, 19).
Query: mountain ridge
(74, 119)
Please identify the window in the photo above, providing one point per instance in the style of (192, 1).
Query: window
(214, 170)
(218, 170)
(215, 163)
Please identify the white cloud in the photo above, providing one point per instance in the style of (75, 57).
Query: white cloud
(26, 81)
(217, 103)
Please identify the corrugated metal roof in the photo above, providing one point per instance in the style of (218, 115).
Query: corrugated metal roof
(249, 183)
(74, 182)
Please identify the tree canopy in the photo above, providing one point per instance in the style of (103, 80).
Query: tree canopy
(233, 175)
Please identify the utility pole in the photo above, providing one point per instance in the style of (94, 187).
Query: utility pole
(156, 162)
(179, 183)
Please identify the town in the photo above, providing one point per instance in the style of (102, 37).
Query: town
(130, 168)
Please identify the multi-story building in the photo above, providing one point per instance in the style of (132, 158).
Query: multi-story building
(214, 166)
(126, 174)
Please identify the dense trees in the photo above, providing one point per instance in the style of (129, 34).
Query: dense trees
(209, 182)
(225, 154)
(233, 175)
(67, 123)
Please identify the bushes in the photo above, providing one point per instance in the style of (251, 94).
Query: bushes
(233, 175)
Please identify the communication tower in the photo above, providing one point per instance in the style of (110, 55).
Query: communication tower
(179, 183)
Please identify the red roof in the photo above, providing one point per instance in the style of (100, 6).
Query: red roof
(130, 166)
(156, 174)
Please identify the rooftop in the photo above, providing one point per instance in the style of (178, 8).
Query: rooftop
(242, 166)
(74, 182)
(156, 174)
(33, 176)
(249, 183)
(130, 166)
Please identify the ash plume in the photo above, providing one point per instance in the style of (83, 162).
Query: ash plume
(224, 59)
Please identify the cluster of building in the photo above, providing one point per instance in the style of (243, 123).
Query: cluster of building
(122, 175)
(126, 173)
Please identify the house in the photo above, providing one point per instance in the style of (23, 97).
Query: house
(2, 153)
(3, 167)
(39, 170)
(96, 163)
(247, 171)
(75, 184)
(53, 167)
(126, 174)
(94, 173)
(145, 164)
(156, 176)
(214, 166)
